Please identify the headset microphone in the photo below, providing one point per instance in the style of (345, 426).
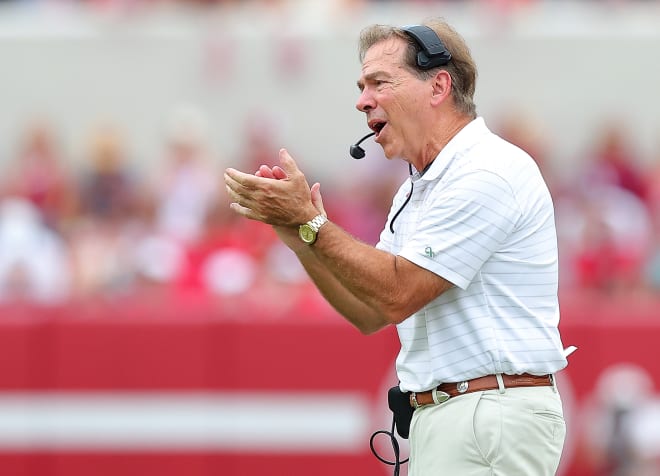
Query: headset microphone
(357, 152)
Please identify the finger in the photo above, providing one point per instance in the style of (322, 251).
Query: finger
(237, 179)
(232, 185)
(234, 175)
(238, 186)
(238, 193)
(231, 179)
(265, 172)
(317, 200)
(279, 173)
(233, 196)
(243, 211)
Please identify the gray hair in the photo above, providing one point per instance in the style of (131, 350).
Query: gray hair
(461, 67)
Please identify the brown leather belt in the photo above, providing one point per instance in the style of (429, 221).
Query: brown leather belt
(447, 390)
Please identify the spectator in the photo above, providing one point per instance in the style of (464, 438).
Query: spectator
(103, 238)
(39, 176)
(613, 162)
(652, 266)
(620, 422)
(187, 189)
(604, 236)
(34, 263)
(107, 189)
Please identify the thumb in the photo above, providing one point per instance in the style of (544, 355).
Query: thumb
(288, 164)
(316, 198)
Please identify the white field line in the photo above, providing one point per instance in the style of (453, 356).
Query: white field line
(232, 421)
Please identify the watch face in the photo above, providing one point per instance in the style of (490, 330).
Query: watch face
(307, 234)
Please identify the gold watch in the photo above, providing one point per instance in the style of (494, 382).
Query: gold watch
(310, 230)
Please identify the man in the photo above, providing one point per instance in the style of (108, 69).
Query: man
(466, 266)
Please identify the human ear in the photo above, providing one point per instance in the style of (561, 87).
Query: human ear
(441, 86)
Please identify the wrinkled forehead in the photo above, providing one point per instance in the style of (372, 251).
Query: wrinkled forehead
(386, 51)
(384, 61)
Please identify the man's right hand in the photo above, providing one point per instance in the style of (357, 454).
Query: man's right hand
(290, 235)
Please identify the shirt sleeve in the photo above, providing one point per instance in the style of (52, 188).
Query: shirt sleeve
(463, 222)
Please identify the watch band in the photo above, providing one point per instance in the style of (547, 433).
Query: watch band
(317, 222)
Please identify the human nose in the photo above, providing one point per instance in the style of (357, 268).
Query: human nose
(365, 102)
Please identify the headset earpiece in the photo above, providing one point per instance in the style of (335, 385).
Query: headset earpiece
(433, 52)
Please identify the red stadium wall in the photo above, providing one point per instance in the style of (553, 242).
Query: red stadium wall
(265, 366)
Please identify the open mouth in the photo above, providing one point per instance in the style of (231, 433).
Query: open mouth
(377, 126)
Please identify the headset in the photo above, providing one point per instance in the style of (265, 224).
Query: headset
(432, 54)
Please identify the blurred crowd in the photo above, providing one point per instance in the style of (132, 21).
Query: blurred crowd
(95, 227)
(607, 204)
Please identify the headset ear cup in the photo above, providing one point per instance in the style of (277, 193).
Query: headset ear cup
(433, 52)
(423, 61)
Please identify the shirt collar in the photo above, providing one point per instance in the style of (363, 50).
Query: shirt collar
(465, 138)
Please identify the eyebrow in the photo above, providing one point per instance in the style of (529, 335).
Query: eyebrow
(371, 76)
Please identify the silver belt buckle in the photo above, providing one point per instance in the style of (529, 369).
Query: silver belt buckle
(462, 387)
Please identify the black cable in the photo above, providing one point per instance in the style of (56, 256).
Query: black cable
(395, 448)
(412, 186)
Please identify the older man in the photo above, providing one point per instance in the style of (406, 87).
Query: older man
(466, 266)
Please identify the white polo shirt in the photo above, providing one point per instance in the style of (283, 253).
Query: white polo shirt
(482, 218)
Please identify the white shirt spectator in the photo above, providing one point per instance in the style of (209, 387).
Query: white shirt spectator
(34, 264)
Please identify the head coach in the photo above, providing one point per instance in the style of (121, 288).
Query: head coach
(466, 267)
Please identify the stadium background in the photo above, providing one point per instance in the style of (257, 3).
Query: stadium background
(146, 330)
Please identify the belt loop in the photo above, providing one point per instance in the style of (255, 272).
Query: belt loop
(554, 382)
(500, 382)
(413, 400)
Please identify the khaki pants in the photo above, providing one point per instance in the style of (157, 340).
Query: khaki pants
(516, 433)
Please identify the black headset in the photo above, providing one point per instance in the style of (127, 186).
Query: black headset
(433, 52)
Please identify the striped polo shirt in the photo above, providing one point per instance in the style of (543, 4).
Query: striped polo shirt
(482, 218)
